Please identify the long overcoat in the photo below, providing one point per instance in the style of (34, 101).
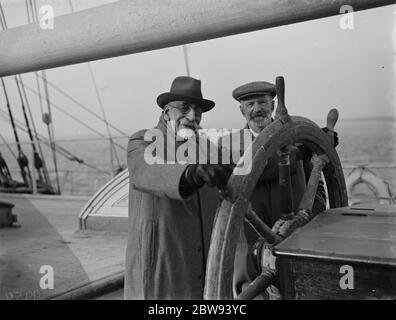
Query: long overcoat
(168, 237)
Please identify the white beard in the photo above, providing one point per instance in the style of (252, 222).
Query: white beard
(265, 121)
(183, 133)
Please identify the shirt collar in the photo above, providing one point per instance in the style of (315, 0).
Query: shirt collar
(255, 134)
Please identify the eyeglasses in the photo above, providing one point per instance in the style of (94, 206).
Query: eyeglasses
(186, 107)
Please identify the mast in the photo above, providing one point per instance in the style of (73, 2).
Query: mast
(185, 54)
(125, 27)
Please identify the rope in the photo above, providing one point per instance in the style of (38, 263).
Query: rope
(25, 115)
(112, 148)
(44, 165)
(34, 9)
(53, 86)
(1, 21)
(22, 160)
(38, 159)
(27, 11)
(50, 129)
(2, 18)
(32, 15)
(62, 151)
(11, 116)
(73, 117)
(78, 140)
(8, 147)
(40, 162)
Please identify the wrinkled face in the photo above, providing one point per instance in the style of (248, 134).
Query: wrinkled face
(257, 111)
(184, 117)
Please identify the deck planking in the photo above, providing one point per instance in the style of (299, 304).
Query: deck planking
(49, 235)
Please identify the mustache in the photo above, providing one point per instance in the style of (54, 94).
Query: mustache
(189, 124)
(259, 114)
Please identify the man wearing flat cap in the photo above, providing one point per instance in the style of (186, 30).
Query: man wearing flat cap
(257, 105)
(171, 204)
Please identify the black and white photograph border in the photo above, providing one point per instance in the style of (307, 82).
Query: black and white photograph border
(197, 150)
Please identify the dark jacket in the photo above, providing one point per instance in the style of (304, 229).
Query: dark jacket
(168, 238)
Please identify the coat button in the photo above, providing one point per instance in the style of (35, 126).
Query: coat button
(200, 277)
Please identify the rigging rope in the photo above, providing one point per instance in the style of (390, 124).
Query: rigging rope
(2, 18)
(112, 148)
(50, 128)
(33, 10)
(8, 147)
(32, 15)
(23, 162)
(44, 165)
(27, 11)
(47, 118)
(73, 117)
(62, 151)
(37, 161)
(53, 86)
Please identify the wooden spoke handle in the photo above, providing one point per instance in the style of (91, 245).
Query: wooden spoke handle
(308, 197)
(261, 228)
(258, 285)
(332, 118)
(281, 110)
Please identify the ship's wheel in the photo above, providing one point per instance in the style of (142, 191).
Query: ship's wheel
(285, 132)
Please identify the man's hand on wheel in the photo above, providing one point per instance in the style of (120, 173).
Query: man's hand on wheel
(214, 175)
(335, 136)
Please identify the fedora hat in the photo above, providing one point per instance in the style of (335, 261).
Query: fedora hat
(185, 89)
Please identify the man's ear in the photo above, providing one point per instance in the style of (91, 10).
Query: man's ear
(242, 109)
(166, 114)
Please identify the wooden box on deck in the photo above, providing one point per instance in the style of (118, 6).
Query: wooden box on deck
(363, 237)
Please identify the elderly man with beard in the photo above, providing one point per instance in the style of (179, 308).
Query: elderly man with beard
(171, 205)
(257, 105)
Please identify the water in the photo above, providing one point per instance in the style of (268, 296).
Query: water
(370, 143)
(365, 142)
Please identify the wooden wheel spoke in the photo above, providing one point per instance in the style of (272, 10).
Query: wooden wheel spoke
(258, 285)
(260, 227)
(308, 198)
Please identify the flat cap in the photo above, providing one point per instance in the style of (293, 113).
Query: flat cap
(253, 88)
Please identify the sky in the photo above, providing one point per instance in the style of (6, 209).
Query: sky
(323, 65)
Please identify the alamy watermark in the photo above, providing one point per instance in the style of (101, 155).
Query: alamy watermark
(347, 19)
(46, 17)
(47, 280)
(208, 146)
(347, 280)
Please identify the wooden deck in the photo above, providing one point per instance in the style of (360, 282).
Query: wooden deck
(49, 236)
